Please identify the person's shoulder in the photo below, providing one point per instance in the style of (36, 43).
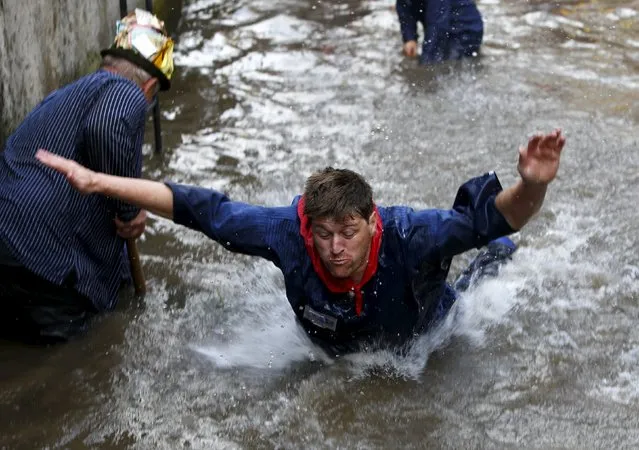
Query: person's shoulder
(284, 229)
(391, 214)
(283, 213)
(402, 218)
(120, 92)
(284, 218)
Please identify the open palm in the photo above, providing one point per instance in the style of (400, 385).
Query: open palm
(78, 176)
(539, 161)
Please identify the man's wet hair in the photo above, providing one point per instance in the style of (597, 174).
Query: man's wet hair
(337, 194)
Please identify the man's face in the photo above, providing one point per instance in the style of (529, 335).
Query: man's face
(344, 244)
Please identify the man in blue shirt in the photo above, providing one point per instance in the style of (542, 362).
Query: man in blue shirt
(453, 29)
(356, 274)
(61, 252)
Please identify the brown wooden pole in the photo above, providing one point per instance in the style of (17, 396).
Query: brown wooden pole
(137, 273)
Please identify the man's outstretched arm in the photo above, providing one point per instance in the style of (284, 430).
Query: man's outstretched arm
(239, 227)
(538, 165)
(150, 195)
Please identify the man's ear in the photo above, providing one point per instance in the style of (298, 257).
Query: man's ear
(372, 222)
(150, 88)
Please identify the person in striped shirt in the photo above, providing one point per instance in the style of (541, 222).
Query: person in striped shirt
(61, 253)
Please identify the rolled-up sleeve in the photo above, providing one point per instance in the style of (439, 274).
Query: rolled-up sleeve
(237, 226)
(407, 21)
(473, 221)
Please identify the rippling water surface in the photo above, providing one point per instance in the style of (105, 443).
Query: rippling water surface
(266, 92)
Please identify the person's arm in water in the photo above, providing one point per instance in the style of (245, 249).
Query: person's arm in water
(408, 27)
(538, 165)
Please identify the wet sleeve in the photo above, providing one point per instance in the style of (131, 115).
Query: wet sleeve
(407, 21)
(113, 136)
(237, 226)
(437, 20)
(473, 221)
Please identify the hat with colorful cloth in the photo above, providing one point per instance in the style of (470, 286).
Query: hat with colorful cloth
(142, 39)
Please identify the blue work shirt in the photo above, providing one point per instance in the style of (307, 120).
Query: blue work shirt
(407, 293)
(452, 28)
(47, 226)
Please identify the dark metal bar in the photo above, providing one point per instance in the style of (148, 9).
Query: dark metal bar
(156, 125)
(123, 8)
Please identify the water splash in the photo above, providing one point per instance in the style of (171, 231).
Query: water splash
(270, 339)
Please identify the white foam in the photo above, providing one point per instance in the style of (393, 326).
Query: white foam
(200, 5)
(239, 17)
(281, 29)
(274, 341)
(278, 62)
(213, 50)
(623, 386)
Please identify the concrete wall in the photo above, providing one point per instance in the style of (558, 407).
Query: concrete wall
(47, 43)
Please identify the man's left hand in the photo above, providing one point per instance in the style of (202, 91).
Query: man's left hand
(539, 161)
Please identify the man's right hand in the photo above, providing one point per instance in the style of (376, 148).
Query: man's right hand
(410, 49)
(133, 228)
(538, 164)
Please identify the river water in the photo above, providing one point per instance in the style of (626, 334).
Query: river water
(268, 91)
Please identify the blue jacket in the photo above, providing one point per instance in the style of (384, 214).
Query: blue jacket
(452, 28)
(49, 227)
(406, 295)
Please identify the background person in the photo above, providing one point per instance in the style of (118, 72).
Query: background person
(453, 29)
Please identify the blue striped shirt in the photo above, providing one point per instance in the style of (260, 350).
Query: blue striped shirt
(47, 226)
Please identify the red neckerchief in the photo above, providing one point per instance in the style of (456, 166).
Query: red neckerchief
(339, 285)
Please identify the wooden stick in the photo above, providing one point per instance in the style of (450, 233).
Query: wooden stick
(137, 273)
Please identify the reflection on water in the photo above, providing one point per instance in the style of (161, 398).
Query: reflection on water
(269, 91)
